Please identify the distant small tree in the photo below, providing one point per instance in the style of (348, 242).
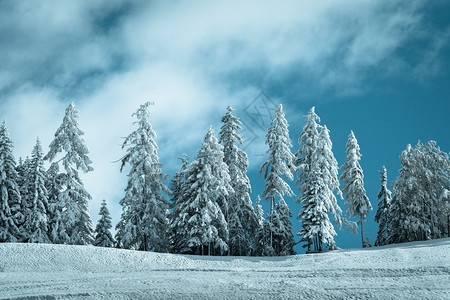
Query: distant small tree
(353, 181)
(23, 169)
(260, 237)
(259, 211)
(103, 236)
(381, 216)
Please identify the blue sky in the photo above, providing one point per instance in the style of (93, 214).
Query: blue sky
(379, 68)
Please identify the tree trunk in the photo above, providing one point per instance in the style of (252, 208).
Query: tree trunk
(271, 223)
(320, 243)
(362, 232)
(145, 242)
(448, 226)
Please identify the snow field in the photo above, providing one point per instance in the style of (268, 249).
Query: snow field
(419, 270)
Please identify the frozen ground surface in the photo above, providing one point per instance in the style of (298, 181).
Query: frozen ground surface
(419, 270)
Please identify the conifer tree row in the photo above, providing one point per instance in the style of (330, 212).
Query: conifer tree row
(211, 210)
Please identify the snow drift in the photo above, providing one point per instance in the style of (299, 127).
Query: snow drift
(404, 271)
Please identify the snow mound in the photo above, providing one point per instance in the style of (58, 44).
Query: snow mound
(403, 271)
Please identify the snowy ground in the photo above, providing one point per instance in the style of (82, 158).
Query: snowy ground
(418, 270)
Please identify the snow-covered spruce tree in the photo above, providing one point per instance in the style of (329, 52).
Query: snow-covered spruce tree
(445, 200)
(303, 160)
(175, 187)
(199, 223)
(103, 237)
(36, 199)
(238, 209)
(144, 223)
(57, 231)
(353, 180)
(397, 208)
(260, 237)
(279, 163)
(22, 169)
(417, 210)
(381, 216)
(11, 217)
(318, 196)
(73, 197)
(281, 221)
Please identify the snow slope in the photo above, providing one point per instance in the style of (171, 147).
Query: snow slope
(419, 270)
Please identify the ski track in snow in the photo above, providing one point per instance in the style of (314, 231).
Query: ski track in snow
(419, 270)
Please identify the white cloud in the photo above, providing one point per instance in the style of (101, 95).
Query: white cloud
(191, 58)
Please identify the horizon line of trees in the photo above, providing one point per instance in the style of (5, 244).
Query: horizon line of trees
(210, 211)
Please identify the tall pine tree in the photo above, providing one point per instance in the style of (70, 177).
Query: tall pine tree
(144, 223)
(303, 160)
(36, 200)
(381, 216)
(199, 221)
(23, 168)
(73, 197)
(103, 236)
(318, 195)
(353, 180)
(262, 232)
(279, 163)
(242, 220)
(11, 207)
(175, 186)
(57, 231)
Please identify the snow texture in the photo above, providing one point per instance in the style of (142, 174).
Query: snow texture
(417, 270)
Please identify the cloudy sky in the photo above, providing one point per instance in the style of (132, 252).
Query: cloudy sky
(379, 68)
